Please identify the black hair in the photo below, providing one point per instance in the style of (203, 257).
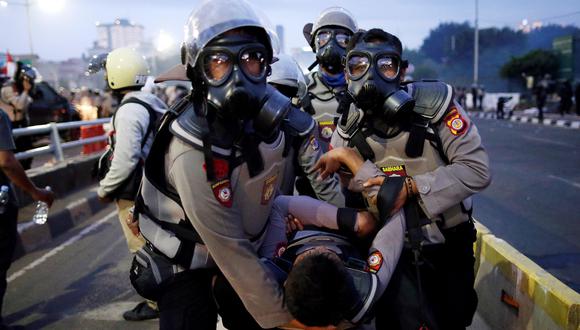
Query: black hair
(375, 35)
(319, 291)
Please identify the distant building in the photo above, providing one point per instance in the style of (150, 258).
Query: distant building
(280, 33)
(121, 33)
(568, 50)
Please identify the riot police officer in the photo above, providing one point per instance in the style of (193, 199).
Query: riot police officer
(328, 37)
(287, 78)
(432, 153)
(213, 171)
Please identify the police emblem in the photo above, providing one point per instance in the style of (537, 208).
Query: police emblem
(269, 189)
(314, 143)
(375, 261)
(222, 191)
(326, 128)
(456, 123)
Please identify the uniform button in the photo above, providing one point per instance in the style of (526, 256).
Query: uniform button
(424, 189)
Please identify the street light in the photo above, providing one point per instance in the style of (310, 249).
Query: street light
(51, 6)
(476, 46)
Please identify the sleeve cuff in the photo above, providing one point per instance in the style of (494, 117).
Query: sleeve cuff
(368, 170)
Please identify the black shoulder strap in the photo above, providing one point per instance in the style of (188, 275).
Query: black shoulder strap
(358, 140)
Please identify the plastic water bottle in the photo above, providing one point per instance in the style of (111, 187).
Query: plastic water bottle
(41, 214)
(4, 196)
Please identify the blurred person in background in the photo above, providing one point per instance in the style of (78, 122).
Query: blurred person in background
(133, 128)
(15, 100)
(577, 98)
(565, 92)
(12, 172)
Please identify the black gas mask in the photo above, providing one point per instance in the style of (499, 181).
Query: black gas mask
(234, 69)
(374, 72)
(331, 48)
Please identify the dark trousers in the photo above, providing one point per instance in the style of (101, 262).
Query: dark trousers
(187, 302)
(230, 307)
(447, 277)
(8, 239)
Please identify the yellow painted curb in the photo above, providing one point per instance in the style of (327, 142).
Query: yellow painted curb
(549, 294)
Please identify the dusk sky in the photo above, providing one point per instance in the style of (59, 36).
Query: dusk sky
(68, 33)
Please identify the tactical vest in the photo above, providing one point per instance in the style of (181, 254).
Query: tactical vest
(389, 154)
(322, 104)
(162, 219)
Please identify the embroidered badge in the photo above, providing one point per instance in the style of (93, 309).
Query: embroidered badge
(314, 143)
(269, 189)
(375, 261)
(280, 249)
(456, 123)
(398, 170)
(222, 190)
(221, 168)
(326, 128)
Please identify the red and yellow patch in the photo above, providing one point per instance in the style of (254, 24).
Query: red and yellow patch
(456, 123)
(375, 261)
(269, 189)
(325, 129)
(222, 190)
(398, 170)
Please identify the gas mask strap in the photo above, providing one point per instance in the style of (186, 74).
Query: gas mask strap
(417, 135)
(358, 140)
(252, 154)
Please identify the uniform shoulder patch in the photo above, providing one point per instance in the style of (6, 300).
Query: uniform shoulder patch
(314, 143)
(375, 261)
(269, 189)
(325, 129)
(456, 123)
(222, 190)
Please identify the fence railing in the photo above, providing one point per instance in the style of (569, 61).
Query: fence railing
(56, 147)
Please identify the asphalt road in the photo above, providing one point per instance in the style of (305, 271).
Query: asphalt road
(534, 200)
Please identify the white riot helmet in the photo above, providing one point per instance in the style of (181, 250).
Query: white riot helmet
(214, 17)
(287, 72)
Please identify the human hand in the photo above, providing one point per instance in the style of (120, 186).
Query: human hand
(330, 162)
(133, 222)
(293, 224)
(105, 199)
(43, 195)
(365, 224)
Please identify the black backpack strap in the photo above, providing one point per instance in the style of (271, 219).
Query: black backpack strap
(152, 116)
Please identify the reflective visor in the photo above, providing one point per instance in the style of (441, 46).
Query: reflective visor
(323, 37)
(358, 64)
(218, 64)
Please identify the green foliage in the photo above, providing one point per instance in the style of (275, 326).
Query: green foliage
(535, 63)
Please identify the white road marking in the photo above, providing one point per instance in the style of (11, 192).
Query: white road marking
(558, 143)
(572, 183)
(61, 247)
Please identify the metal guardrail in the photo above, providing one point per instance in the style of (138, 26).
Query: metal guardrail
(56, 146)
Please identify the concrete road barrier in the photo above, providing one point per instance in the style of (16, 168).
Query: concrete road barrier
(516, 293)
